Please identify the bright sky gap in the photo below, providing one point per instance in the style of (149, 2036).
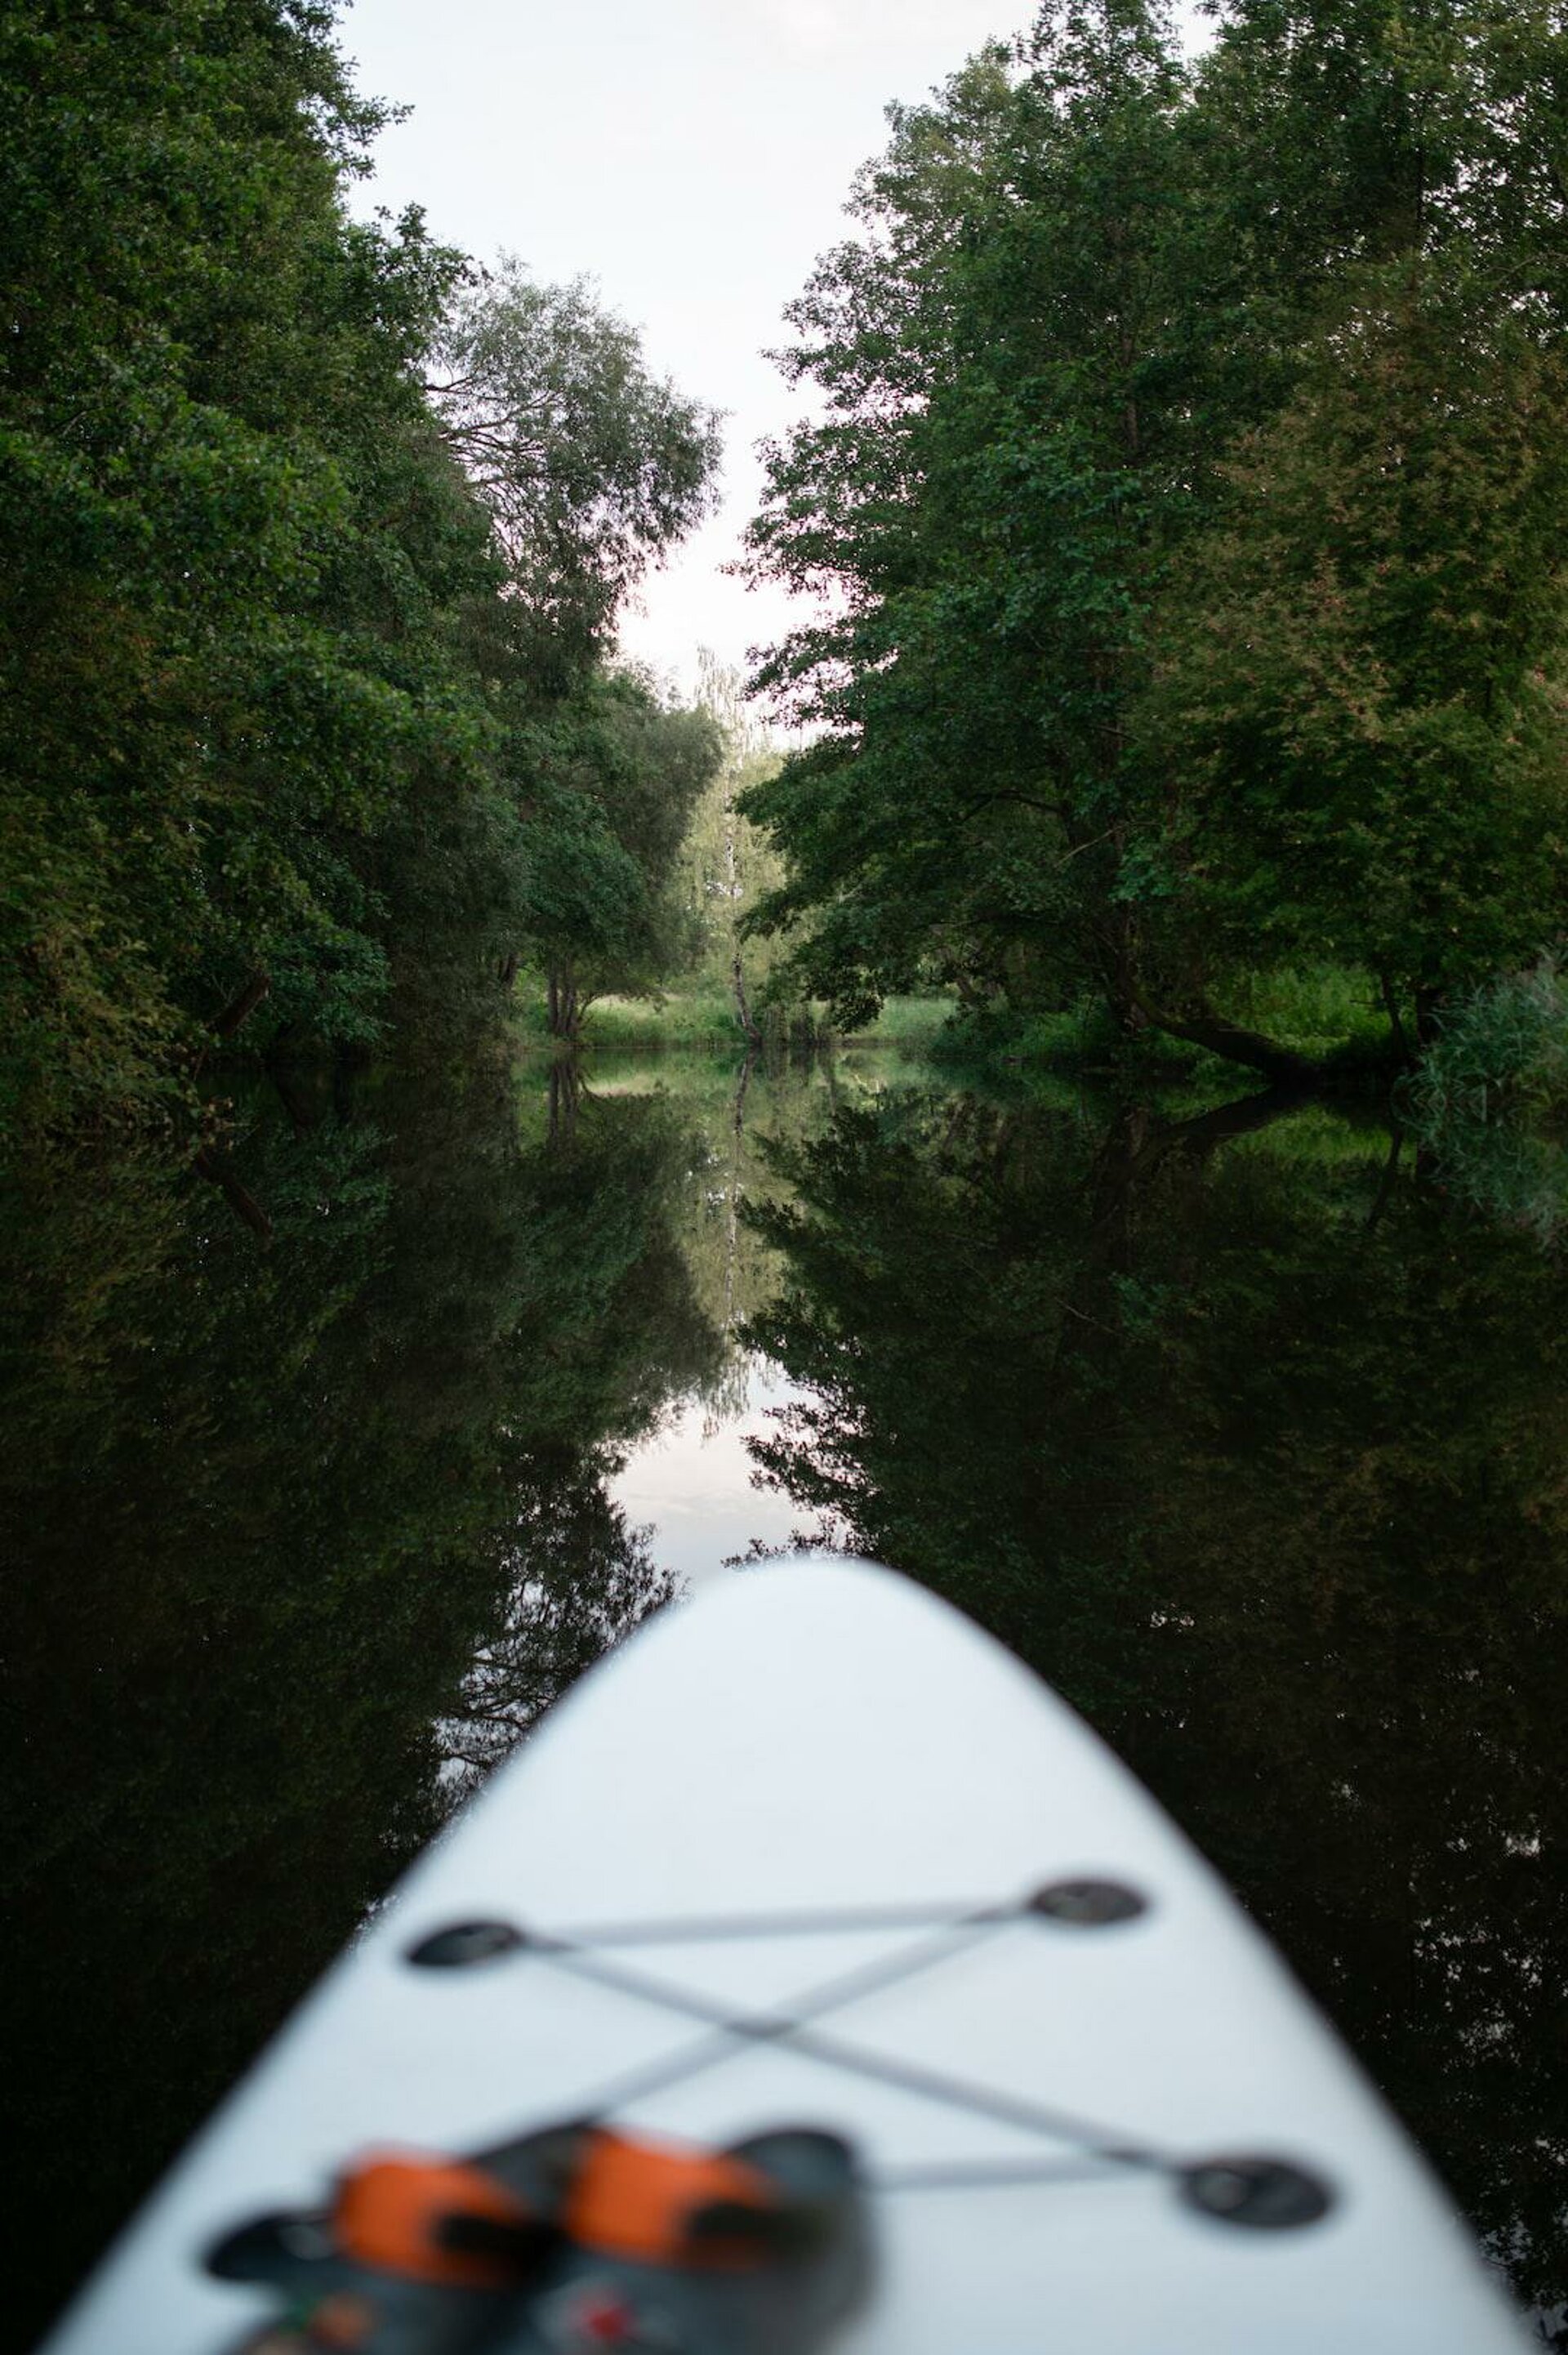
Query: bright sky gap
(693, 159)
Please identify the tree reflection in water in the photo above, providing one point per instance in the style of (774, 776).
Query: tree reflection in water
(266, 1500)
(1232, 1426)
(1256, 1449)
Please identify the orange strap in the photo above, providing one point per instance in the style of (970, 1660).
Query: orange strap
(390, 2210)
(638, 2199)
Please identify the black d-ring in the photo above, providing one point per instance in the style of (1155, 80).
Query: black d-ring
(1266, 2195)
(1089, 1904)
(463, 1943)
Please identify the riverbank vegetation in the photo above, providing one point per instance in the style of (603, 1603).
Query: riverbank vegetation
(1186, 500)
(1488, 1101)
(684, 1020)
(1185, 496)
(315, 534)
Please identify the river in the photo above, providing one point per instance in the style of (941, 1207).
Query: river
(332, 1460)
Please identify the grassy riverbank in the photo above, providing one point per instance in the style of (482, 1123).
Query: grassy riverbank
(695, 1020)
(1329, 1015)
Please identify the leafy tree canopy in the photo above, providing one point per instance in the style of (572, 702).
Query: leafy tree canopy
(290, 504)
(589, 467)
(1185, 508)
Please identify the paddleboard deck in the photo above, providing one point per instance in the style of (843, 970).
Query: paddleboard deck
(813, 1851)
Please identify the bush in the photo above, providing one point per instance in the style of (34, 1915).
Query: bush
(1502, 1051)
(1485, 1096)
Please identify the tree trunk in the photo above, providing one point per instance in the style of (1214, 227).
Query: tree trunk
(1281, 1066)
(1116, 946)
(303, 1113)
(565, 1014)
(218, 1170)
(1114, 941)
(1396, 1028)
(242, 1005)
(742, 1011)
(1428, 1006)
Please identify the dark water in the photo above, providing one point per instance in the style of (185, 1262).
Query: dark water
(327, 1466)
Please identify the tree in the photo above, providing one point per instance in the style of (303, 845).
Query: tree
(589, 467)
(1360, 699)
(611, 776)
(226, 516)
(1108, 319)
(727, 863)
(841, 523)
(1009, 320)
(1354, 742)
(261, 637)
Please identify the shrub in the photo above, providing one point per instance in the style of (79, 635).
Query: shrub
(1488, 1095)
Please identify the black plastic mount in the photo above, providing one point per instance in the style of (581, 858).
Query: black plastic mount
(1266, 2195)
(1089, 1904)
(463, 1943)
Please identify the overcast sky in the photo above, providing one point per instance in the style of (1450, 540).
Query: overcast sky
(691, 155)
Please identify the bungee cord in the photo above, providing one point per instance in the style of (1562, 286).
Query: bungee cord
(546, 2213)
(956, 1930)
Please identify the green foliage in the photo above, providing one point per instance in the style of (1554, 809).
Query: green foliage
(1355, 692)
(673, 1019)
(728, 867)
(1488, 1097)
(261, 636)
(611, 775)
(1504, 1046)
(226, 520)
(1190, 495)
(1006, 326)
(1331, 1015)
(589, 467)
(911, 1024)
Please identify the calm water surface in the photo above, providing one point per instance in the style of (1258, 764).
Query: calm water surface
(331, 1463)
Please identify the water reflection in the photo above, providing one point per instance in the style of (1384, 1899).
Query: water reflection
(692, 1478)
(330, 1466)
(1258, 1451)
(302, 1506)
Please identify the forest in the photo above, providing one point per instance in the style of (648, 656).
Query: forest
(316, 535)
(1185, 495)
(1178, 503)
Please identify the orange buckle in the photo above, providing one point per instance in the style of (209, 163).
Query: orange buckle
(390, 2211)
(645, 2201)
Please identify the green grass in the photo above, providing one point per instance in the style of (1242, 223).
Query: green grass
(683, 1020)
(1330, 1012)
(1503, 1050)
(1080, 1038)
(631, 1025)
(910, 1023)
(621, 1024)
